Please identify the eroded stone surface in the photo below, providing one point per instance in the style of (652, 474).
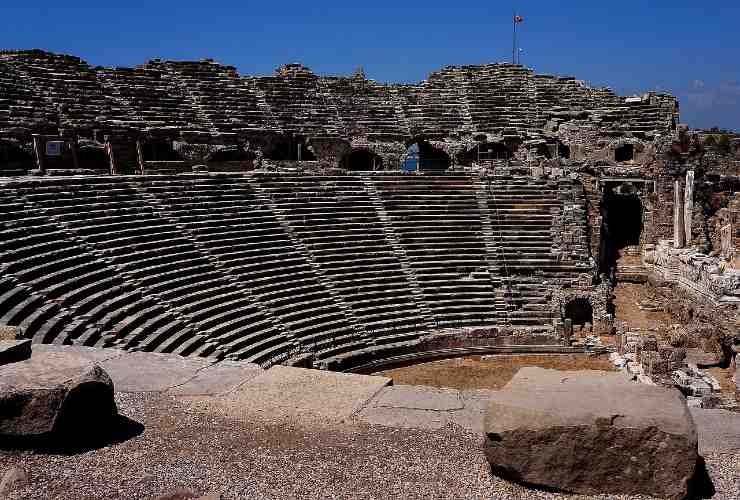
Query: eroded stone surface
(591, 432)
(52, 398)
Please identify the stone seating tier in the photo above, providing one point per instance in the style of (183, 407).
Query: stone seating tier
(264, 267)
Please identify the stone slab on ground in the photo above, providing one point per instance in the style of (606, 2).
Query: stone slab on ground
(152, 372)
(54, 396)
(12, 351)
(45, 370)
(424, 407)
(636, 439)
(217, 379)
(719, 430)
(92, 354)
(284, 391)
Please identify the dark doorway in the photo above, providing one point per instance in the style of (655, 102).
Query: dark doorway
(579, 311)
(563, 150)
(485, 152)
(363, 160)
(621, 227)
(91, 157)
(290, 150)
(625, 152)
(432, 159)
(159, 151)
(14, 160)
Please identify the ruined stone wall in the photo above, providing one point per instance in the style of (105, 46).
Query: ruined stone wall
(458, 106)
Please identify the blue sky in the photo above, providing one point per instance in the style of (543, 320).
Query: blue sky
(688, 48)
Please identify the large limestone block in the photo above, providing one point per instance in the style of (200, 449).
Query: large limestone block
(43, 404)
(591, 432)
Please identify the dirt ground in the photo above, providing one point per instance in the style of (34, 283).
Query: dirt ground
(489, 372)
(628, 296)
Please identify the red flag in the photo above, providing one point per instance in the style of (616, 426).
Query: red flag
(518, 19)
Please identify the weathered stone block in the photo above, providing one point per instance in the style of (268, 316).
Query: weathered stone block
(635, 439)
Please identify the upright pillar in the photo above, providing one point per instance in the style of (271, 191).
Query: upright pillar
(140, 155)
(688, 214)
(111, 155)
(73, 149)
(39, 152)
(678, 223)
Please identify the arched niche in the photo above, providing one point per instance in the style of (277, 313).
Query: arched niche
(485, 152)
(363, 160)
(426, 157)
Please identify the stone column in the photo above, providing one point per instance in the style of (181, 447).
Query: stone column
(111, 155)
(678, 212)
(140, 156)
(39, 152)
(688, 215)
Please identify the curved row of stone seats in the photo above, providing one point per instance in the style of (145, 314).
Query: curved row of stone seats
(60, 279)
(21, 109)
(438, 223)
(68, 206)
(228, 102)
(146, 98)
(69, 85)
(229, 221)
(439, 104)
(153, 253)
(337, 222)
(524, 215)
(500, 98)
(299, 102)
(364, 106)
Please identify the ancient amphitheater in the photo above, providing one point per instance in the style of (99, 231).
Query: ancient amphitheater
(228, 230)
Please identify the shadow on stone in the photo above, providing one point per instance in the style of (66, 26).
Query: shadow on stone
(701, 485)
(119, 430)
(512, 477)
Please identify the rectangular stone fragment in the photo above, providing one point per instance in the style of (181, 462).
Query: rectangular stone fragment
(285, 391)
(217, 379)
(12, 351)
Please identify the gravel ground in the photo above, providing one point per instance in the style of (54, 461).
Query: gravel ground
(186, 444)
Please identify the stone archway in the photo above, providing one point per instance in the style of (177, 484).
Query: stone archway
(14, 160)
(363, 160)
(428, 157)
(579, 311)
(484, 152)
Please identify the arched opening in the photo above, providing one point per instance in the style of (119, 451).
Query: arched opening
(93, 157)
(545, 150)
(563, 150)
(621, 229)
(363, 160)
(579, 311)
(158, 150)
(14, 160)
(625, 152)
(431, 158)
(411, 163)
(290, 149)
(483, 153)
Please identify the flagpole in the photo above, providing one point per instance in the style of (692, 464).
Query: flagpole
(513, 48)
